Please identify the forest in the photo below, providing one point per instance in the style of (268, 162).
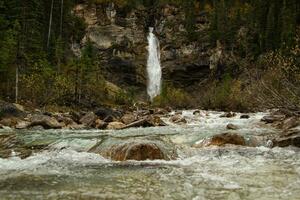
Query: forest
(260, 64)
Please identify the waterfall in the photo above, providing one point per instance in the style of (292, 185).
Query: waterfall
(153, 66)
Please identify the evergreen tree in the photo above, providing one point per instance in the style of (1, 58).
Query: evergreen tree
(289, 22)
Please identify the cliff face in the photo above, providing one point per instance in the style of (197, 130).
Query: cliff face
(120, 37)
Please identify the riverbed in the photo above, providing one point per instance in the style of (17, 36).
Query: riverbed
(65, 168)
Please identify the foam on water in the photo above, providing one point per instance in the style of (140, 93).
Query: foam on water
(65, 157)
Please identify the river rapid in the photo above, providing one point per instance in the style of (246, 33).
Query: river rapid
(65, 169)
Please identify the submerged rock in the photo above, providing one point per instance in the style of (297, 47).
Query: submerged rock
(228, 115)
(245, 116)
(197, 112)
(222, 139)
(228, 138)
(232, 127)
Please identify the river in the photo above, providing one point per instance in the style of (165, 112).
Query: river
(65, 169)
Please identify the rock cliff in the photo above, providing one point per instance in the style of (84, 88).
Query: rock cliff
(120, 37)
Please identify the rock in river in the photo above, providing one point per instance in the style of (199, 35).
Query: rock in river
(232, 127)
(135, 149)
(289, 137)
(228, 115)
(178, 119)
(272, 118)
(222, 139)
(44, 121)
(244, 116)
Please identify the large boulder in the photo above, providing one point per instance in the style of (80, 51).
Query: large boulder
(135, 149)
(44, 121)
(10, 110)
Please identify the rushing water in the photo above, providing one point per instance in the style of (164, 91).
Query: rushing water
(65, 170)
(153, 66)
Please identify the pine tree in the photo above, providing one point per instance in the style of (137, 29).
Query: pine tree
(289, 22)
(271, 29)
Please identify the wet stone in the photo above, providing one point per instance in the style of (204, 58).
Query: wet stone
(228, 115)
(232, 127)
(244, 116)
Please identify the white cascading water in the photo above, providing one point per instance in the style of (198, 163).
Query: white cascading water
(153, 66)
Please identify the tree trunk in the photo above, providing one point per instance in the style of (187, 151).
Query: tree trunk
(50, 24)
(17, 83)
(61, 17)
